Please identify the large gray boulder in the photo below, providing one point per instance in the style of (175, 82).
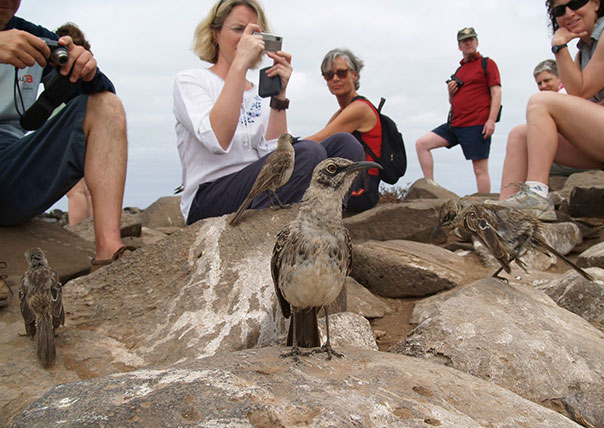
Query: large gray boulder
(518, 338)
(257, 388)
(407, 268)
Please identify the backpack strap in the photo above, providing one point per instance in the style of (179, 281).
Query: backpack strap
(484, 62)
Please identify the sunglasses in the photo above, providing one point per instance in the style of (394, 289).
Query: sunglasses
(342, 74)
(572, 4)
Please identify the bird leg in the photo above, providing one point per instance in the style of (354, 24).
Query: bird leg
(295, 351)
(327, 347)
(271, 193)
(496, 275)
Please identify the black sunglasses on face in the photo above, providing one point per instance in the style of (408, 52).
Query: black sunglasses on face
(560, 10)
(342, 74)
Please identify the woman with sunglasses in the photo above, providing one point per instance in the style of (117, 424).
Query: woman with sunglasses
(341, 70)
(561, 128)
(225, 130)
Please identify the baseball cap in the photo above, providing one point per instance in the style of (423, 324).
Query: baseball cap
(466, 33)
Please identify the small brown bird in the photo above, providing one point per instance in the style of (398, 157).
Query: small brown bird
(312, 255)
(505, 231)
(41, 300)
(275, 172)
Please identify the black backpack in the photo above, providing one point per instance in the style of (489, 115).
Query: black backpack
(394, 157)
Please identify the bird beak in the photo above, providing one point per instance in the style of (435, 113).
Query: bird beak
(358, 166)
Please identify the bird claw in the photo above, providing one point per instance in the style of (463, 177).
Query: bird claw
(328, 350)
(278, 207)
(295, 353)
(501, 278)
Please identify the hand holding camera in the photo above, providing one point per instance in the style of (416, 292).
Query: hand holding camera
(455, 79)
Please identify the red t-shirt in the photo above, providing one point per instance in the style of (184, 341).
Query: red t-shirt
(472, 103)
(373, 138)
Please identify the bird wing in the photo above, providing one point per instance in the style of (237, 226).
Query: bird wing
(349, 250)
(28, 316)
(479, 224)
(56, 301)
(280, 243)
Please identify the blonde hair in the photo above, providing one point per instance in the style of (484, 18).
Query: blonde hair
(204, 39)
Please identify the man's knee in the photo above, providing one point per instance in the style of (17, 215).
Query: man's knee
(105, 106)
(429, 141)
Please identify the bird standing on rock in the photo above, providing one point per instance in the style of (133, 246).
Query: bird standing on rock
(312, 255)
(41, 301)
(275, 172)
(505, 231)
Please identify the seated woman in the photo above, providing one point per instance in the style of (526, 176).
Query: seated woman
(225, 130)
(342, 71)
(566, 129)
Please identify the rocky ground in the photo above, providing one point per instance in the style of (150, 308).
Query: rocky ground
(186, 331)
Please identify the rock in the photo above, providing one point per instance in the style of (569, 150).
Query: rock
(68, 254)
(130, 226)
(257, 388)
(348, 330)
(516, 337)
(412, 221)
(406, 268)
(578, 295)
(361, 301)
(586, 179)
(165, 212)
(593, 256)
(587, 202)
(425, 188)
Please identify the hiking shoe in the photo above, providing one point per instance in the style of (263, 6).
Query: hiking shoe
(530, 202)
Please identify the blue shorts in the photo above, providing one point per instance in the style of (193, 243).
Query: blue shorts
(38, 169)
(470, 137)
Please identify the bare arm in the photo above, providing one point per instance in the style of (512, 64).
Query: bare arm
(224, 116)
(355, 116)
(489, 126)
(583, 83)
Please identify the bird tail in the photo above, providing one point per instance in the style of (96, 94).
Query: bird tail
(46, 341)
(565, 260)
(235, 217)
(307, 329)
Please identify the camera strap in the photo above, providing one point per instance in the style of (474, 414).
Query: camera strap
(17, 91)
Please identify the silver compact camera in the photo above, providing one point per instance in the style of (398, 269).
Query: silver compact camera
(272, 42)
(58, 53)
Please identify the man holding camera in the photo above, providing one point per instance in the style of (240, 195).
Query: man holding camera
(87, 138)
(475, 97)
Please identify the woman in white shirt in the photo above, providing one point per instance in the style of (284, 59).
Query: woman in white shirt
(224, 129)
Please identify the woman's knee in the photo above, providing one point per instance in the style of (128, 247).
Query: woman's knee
(344, 145)
(308, 155)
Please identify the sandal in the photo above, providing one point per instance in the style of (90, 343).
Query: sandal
(122, 251)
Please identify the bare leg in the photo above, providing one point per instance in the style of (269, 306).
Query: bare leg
(515, 164)
(481, 171)
(580, 123)
(79, 203)
(105, 168)
(423, 146)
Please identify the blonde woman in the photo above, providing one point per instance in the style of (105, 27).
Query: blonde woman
(224, 129)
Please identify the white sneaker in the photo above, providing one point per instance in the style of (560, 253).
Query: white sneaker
(531, 203)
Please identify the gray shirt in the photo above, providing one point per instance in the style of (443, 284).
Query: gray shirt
(586, 52)
(28, 80)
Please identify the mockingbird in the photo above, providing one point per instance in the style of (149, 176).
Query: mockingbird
(505, 231)
(40, 295)
(275, 172)
(312, 255)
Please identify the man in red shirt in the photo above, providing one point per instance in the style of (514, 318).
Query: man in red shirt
(475, 97)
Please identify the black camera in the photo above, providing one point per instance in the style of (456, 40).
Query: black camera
(58, 54)
(456, 80)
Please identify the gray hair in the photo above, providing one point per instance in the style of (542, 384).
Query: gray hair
(354, 63)
(547, 65)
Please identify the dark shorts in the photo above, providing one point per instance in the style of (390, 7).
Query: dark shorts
(470, 137)
(38, 169)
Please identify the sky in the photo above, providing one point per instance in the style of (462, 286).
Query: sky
(409, 49)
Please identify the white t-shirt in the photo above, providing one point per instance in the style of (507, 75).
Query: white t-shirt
(202, 158)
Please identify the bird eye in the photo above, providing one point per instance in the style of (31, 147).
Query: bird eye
(331, 168)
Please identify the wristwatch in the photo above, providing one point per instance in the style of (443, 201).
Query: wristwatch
(279, 104)
(557, 48)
